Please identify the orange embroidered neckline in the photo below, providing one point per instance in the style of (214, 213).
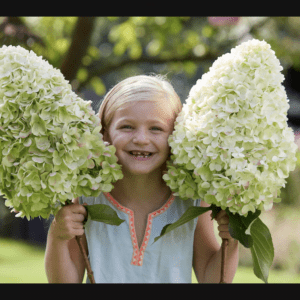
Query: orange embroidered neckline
(138, 253)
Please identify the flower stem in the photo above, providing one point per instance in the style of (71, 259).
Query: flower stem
(86, 260)
(223, 258)
(83, 252)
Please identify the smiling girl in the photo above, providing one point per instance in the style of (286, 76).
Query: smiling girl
(137, 117)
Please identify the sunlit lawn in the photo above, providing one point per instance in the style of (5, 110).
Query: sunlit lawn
(23, 263)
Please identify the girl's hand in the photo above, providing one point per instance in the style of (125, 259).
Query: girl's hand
(68, 221)
(223, 222)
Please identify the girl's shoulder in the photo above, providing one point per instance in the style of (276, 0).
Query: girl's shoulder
(188, 202)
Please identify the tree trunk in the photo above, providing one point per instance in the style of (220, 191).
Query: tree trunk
(78, 48)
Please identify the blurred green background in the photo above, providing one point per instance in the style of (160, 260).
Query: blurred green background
(21, 262)
(94, 53)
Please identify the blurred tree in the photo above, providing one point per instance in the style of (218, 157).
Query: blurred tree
(80, 41)
(14, 31)
(88, 48)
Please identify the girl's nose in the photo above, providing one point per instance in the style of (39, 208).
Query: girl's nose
(141, 136)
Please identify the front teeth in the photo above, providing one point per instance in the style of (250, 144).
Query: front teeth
(139, 154)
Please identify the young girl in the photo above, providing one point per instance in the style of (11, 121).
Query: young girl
(137, 117)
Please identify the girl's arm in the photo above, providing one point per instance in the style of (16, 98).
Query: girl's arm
(207, 251)
(63, 260)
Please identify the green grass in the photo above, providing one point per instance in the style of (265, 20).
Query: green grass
(246, 275)
(23, 263)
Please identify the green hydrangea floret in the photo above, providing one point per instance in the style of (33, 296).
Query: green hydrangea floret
(231, 145)
(51, 148)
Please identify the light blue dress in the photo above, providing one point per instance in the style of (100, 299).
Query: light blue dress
(114, 253)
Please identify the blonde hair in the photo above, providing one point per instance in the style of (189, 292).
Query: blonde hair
(138, 88)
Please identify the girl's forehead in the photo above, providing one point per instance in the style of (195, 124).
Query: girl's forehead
(145, 109)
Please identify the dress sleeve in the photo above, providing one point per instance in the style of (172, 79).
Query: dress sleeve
(198, 202)
(88, 200)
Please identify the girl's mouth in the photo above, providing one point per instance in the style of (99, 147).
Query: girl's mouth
(141, 155)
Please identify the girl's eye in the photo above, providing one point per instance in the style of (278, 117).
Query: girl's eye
(129, 127)
(156, 128)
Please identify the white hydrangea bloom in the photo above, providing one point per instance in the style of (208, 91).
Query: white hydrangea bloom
(231, 144)
(51, 149)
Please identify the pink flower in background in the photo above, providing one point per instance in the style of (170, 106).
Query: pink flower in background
(223, 21)
(297, 138)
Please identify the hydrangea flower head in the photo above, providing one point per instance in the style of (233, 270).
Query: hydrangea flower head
(51, 149)
(231, 145)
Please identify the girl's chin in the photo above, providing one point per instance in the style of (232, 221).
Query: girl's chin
(138, 171)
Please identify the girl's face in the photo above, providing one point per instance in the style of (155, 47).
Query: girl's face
(140, 131)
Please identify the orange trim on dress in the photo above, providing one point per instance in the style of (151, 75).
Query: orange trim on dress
(138, 254)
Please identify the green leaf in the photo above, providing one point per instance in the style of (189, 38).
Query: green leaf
(238, 225)
(262, 249)
(215, 209)
(103, 213)
(191, 213)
